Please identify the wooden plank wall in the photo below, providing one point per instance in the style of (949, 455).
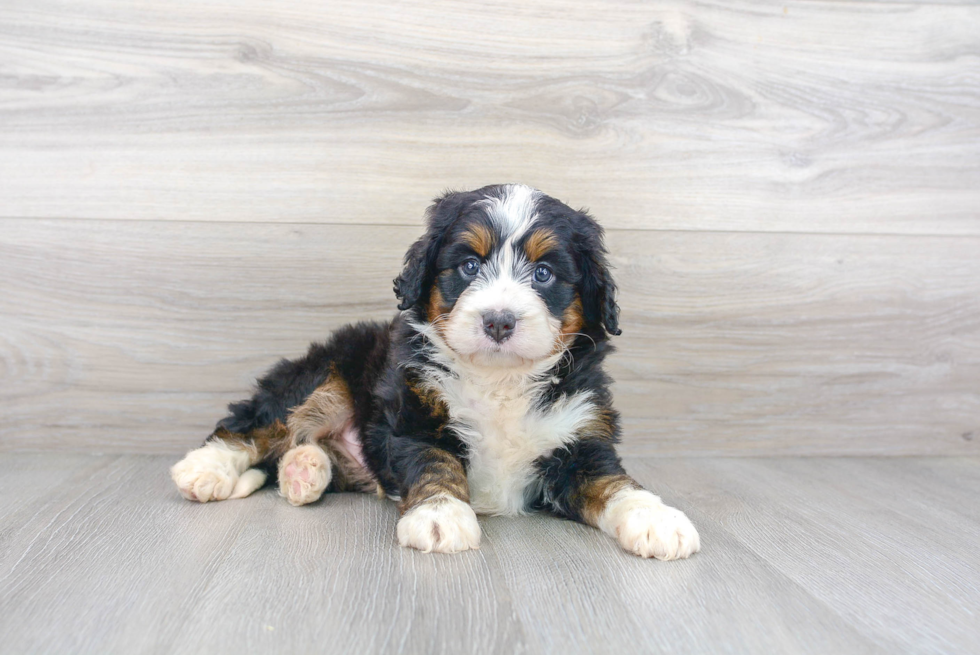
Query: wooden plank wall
(189, 190)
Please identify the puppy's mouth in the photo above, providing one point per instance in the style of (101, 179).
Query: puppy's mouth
(494, 347)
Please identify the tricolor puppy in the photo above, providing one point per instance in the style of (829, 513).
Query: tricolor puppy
(485, 395)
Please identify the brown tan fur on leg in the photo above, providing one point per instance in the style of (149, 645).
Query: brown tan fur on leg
(443, 475)
(593, 495)
(325, 411)
(268, 443)
(322, 419)
(436, 514)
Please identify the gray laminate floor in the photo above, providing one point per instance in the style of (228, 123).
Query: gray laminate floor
(98, 554)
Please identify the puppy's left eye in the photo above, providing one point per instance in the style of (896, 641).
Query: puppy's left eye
(470, 267)
(543, 274)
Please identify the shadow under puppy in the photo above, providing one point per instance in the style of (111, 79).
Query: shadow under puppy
(486, 394)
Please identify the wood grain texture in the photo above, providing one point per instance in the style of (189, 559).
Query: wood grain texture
(895, 559)
(857, 117)
(800, 556)
(120, 564)
(581, 593)
(130, 336)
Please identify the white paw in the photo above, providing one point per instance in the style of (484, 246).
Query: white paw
(644, 526)
(442, 524)
(210, 472)
(304, 472)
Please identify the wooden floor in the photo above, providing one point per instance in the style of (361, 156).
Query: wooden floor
(99, 554)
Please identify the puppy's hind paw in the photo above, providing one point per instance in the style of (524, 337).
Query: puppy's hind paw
(209, 473)
(304, 473)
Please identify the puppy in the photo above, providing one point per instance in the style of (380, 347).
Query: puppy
(485, 394)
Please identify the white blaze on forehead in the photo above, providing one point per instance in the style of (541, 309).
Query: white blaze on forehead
(514, 213)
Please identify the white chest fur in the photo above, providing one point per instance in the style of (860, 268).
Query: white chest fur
(504, 434)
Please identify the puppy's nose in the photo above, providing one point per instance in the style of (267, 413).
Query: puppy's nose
(499, 325)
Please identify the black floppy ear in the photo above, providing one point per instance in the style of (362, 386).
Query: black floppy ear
(409, 284)
(420, 260)
(597, 288)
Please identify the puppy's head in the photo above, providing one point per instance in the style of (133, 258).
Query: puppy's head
(506, 275)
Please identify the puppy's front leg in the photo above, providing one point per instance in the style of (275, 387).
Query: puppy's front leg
(588, 484)
(638, 519)
(436, 515)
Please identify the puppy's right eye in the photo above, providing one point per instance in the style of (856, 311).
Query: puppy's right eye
(470, 267)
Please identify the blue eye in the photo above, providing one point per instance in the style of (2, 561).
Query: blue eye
(543, 274)
(470, 267)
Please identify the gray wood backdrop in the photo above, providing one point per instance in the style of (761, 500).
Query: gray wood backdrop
(190, 189)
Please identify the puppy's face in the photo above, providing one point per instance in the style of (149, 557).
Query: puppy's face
(506, 276)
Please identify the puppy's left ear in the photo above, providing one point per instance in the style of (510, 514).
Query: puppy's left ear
(420, 260)
(598, 288)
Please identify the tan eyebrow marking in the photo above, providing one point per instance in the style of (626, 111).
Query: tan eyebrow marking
(539, 243)
(480, 239)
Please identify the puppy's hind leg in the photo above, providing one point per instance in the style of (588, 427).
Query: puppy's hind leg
(210, 472)
(220, 469)
(306, 469)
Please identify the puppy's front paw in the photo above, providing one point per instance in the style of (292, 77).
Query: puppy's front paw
(442, 524)
(209, 473)
(644, 526)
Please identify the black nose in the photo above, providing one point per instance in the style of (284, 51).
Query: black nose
(499, 325)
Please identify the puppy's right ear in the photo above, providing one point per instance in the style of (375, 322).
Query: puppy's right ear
(408, 285)
(420, 260)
